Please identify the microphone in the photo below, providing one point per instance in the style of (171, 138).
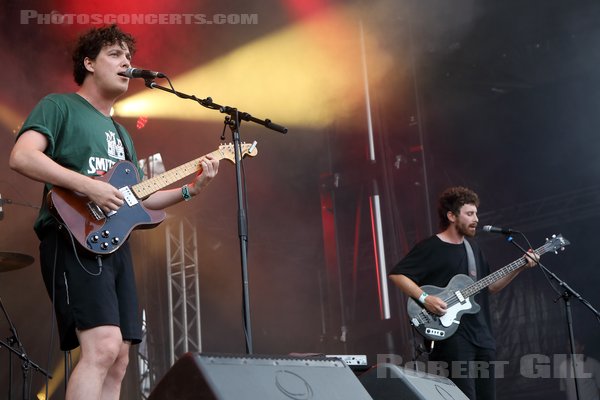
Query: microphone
(496, 229)
(141, 73)
(1, 209)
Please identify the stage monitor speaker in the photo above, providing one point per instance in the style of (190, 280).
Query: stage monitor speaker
(391, 382)
(197, 376)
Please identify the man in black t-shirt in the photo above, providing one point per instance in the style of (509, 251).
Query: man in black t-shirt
(434, 261)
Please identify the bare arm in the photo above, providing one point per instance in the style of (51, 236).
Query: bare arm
(432, 303)
(502, 283)
(28, 158)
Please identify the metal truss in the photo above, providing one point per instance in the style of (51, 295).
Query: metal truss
(150, 166)
(183, 288)
(146, 376)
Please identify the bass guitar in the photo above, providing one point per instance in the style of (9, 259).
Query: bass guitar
(458, 295)
(103, 233)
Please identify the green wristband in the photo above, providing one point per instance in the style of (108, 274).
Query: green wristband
(185, 192)
(422, 297)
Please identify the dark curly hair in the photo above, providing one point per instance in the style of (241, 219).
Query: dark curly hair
(452, 199)
(91, 42)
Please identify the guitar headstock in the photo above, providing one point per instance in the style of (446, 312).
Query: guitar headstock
(556, 243)
(228, 151)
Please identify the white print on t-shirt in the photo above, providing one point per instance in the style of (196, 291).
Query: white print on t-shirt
(99, 165)
(115, 149)
(115, 146)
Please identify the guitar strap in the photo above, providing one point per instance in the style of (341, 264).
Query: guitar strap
(127, 154)
(470, 260)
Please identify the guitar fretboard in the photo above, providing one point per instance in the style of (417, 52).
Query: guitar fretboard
(149, 186)
(501, 273)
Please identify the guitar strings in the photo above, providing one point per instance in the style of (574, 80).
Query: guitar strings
(452, 300)
(425, 315)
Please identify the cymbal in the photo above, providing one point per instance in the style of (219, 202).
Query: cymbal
(11, 261)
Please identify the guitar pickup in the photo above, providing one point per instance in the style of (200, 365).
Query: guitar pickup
(129, 197)
(459, 296)
(435, 332)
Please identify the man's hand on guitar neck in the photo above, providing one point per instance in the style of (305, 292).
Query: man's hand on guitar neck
(435, 305)
(532, 259)
(210, 168)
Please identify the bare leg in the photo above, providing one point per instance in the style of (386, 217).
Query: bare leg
(100, 349)
(116, 373)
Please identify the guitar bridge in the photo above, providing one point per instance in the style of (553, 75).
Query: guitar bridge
(95, 210)
(425, 317)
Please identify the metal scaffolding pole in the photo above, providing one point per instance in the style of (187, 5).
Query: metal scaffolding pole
(374, 198)
(146, 375)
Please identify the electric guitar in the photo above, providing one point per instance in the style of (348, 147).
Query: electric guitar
(458, 296)
(103, 233)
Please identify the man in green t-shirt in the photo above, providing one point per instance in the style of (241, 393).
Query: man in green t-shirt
(67, 140)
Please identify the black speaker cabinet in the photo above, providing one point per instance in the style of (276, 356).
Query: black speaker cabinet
(197, 376)
(391, 382)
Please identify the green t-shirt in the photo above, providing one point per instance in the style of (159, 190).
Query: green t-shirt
(80, 138)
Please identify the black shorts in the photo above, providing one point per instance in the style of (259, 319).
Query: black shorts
(85, 294)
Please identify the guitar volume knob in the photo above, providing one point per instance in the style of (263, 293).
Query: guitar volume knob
(115, 240)
(105, 233)
(104, 246)
(95, 239)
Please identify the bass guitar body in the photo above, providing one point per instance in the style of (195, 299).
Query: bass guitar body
(435, 327)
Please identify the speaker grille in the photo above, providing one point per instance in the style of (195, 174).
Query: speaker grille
(395, 383)
(235, 377)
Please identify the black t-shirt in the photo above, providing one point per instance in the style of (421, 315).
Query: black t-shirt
(435, 262)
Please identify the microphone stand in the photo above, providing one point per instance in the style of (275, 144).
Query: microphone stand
(17, 203)
(568, 292)
(13, 341)
(233, 119)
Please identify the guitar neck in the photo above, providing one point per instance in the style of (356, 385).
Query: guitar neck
(499, 274)
(491, 278)
(152, 185)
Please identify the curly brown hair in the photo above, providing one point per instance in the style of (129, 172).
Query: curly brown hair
(452, 199)
(91, 42)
